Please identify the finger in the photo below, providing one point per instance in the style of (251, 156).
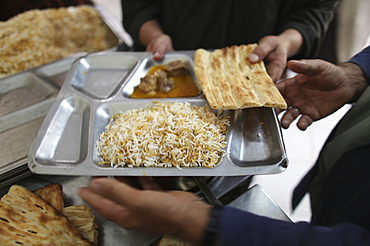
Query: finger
(158, 55)
(289, 117)
(105, 207)
(275, 69)
(304, 122)
(307, 67)
(158, 51)
(261, 51)
(114, 190)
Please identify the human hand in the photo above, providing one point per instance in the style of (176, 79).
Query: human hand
(159, 46)
(177, 213)
(275, 50)
(318, 90)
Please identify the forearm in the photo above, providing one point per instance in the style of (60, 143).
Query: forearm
(355, 80)
(310, 18)
(292, 40)
(149, 31)
(243, 228)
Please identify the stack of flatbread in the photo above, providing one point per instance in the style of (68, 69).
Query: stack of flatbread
(172, 241)
(39, 218)
(37, 37)
(230, 81)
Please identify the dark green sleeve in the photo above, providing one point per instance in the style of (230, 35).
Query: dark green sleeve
(134, 14)
(311, 18)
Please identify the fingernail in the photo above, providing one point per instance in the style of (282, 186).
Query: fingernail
(253, 57)
(156, 54)
(285, 122)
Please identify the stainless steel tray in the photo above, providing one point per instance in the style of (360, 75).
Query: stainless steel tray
(98, 86)
(25, 99)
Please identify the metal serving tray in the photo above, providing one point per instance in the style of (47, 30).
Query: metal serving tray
(98, 86)
(25, 99)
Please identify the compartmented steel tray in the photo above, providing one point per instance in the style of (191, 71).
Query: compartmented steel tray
(99, 86)
(25, 99)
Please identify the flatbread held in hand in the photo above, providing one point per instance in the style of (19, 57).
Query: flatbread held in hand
(230, 81)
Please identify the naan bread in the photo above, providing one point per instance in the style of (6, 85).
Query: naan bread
(27, 219)
(172, 241)
(80, 215)
(53, 194)
(84, 221)
(230, 81)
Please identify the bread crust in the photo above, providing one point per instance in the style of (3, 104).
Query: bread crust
(53, 194)
(25, 218)
(230, 81)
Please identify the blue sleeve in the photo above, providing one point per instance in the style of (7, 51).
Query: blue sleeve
(362, 59)
(242, 228)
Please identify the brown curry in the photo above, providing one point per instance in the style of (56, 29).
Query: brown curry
(183, 86)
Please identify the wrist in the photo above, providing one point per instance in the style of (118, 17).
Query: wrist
(355, 79)
(148, 31)
(211, 236)
(292, 40)
(193, 222)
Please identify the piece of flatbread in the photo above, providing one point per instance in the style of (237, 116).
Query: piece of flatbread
(230, 81)
(82, 218)
(80, 215)
(172, 241)
(27, 219)
(53, 194)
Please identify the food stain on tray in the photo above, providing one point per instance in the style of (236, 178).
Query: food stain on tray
(164, 135)
(167, 81)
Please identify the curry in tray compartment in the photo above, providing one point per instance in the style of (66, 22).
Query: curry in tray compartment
(170, 80)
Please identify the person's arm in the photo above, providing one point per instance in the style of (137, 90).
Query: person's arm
(319, 89)
(155, 40)
(362, 59)
(309, 17)
(239, 228)
(175, 213)
(134, 15)
(299, 32)
(182, 215)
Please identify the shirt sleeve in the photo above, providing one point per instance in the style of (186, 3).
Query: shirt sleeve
(135, 13)
(362, 59)
(311, 18)
(243, 228)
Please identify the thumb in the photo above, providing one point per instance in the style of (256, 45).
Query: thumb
(307, 67)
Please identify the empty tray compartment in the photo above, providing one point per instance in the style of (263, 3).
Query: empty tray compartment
(66, 138)
(22, 90)
(255, 138)
(57, 71)
(99, 77)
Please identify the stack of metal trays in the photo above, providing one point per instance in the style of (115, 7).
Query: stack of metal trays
(25, 99)
(99, 86)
